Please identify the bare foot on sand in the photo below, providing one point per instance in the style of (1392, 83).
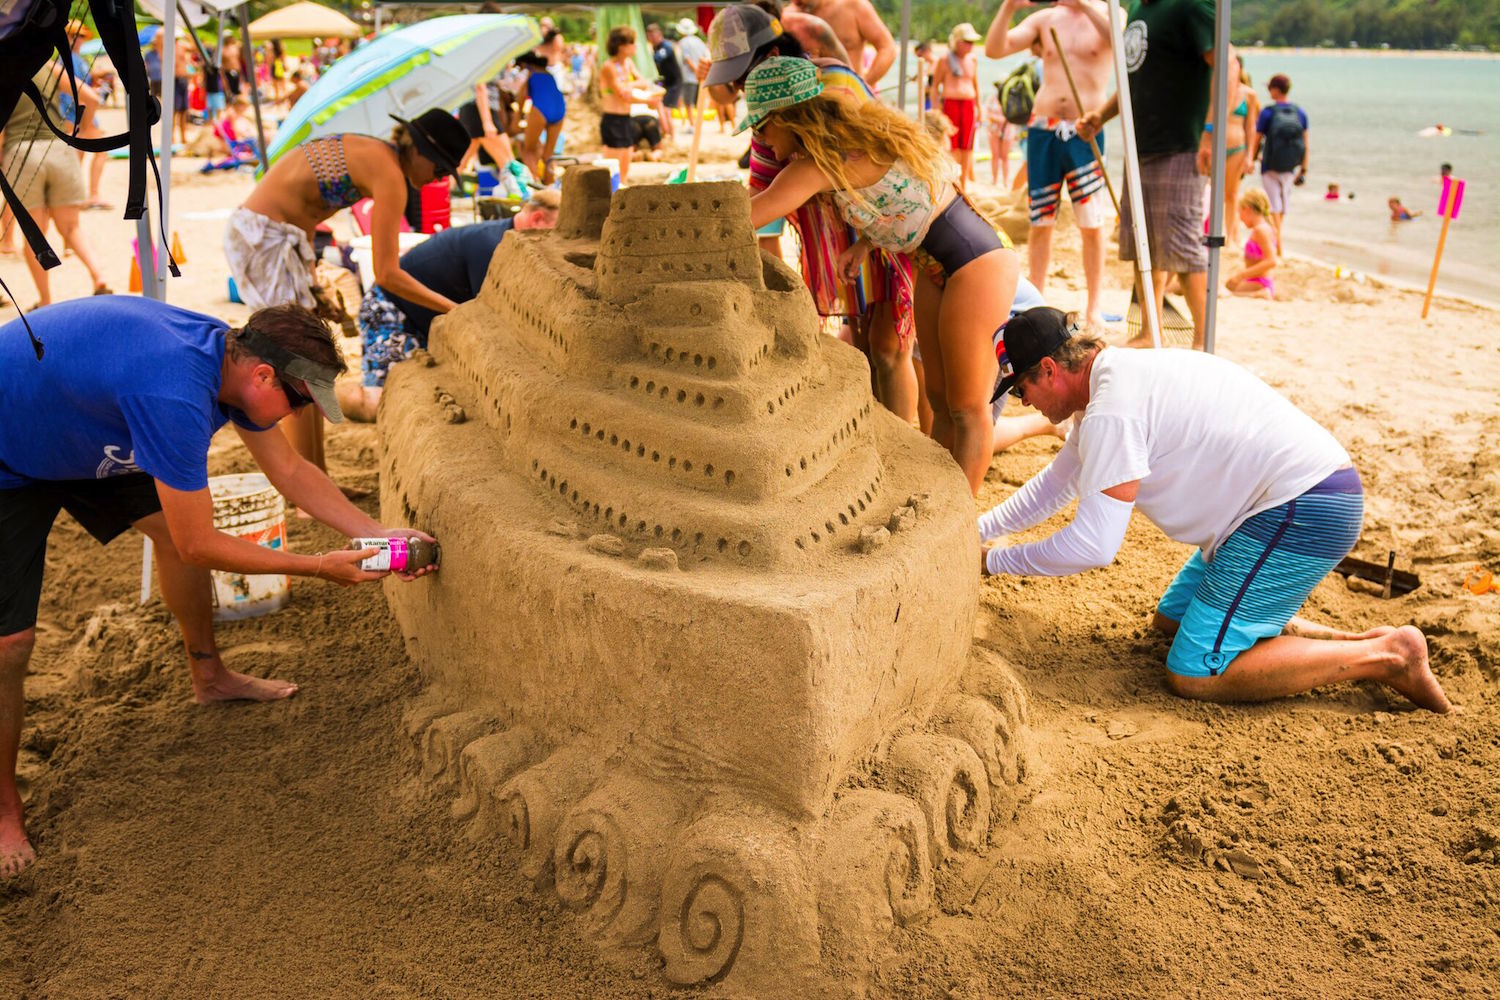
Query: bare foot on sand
(1414, 679)
(226, 685)
(16, 854)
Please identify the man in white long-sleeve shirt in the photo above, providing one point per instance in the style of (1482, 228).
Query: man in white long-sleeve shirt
(1217, 459)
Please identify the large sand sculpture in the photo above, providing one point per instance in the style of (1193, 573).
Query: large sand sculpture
(700, 647)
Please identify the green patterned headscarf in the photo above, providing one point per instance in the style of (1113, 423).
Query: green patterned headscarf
(778, 82)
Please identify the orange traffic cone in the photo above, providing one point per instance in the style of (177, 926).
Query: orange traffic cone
(177, 254)
(135, 274)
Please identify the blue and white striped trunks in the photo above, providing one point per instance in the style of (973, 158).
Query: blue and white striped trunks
(1260, 576)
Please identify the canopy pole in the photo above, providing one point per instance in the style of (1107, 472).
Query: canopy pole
(158, 260)
(1220, 116)
(247, 72)
(901, 63)
(1133, 172)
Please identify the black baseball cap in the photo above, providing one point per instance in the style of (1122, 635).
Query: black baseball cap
(318, 376)
(1025, 339)
(439, 137)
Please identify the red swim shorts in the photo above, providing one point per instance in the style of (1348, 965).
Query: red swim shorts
(964, 114)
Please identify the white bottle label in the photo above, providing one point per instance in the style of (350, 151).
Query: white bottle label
(392, 555)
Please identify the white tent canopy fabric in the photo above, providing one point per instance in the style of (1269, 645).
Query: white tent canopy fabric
(304, 20)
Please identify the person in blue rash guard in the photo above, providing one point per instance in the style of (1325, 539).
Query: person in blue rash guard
(112, 424)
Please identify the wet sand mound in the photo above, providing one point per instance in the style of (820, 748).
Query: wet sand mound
(696, 586)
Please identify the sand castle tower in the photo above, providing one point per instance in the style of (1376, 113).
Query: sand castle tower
(699, 651)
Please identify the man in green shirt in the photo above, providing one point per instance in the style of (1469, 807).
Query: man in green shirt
(1169, 54)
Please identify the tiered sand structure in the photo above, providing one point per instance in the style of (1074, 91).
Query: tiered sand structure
(698, 647)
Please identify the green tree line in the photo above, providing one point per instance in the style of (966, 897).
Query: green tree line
(1401, 24)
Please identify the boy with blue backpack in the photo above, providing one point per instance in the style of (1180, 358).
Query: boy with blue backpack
(1281, 144)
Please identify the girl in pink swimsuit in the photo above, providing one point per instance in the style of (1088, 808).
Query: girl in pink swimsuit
(1254, 279)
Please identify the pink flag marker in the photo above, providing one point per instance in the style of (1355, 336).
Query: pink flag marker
(1452, 198)
(1449, 203)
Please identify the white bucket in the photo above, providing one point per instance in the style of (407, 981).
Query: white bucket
(248, 507)
(364, 257)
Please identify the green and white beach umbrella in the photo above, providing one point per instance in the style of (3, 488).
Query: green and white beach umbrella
(431, 64)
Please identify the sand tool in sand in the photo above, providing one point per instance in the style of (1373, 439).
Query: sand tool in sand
(700, 656)
(1480, 581)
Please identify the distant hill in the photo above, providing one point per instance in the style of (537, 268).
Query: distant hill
(1401, 24)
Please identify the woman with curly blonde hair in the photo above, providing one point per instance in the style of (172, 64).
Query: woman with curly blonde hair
(895, 185)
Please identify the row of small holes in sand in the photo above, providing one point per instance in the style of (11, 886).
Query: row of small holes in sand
(850, 426)
(615, 441)
(653, 205)
(676, 536)
(678, 234)
(536, 323)
(682, 356)
(844, 518)
(663, 391)
(705, 268)
(786, 395)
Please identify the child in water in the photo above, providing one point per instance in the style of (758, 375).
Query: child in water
(1254, 279)
(1399, 212)
(1333, 193)
(895, 185)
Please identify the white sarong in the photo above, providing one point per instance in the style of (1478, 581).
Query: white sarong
(271, 261)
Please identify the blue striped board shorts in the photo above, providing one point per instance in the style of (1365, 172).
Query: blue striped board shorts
(385, 337)
(1260, 576)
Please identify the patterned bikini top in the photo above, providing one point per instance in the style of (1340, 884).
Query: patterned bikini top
(896, 210)
(335, 186)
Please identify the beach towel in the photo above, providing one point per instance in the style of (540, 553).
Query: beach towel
(271, 261)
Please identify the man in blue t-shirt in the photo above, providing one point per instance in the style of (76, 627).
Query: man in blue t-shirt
(112, 424)
(452, 263)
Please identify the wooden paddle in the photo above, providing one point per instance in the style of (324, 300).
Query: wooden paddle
(692, 168)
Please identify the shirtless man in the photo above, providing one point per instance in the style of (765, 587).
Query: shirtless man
(955, 90)
(1054, 153)
(812, 33)
(857, 25)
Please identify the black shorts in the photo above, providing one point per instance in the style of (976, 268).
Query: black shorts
(618, 131)
(468, 117)
(959, 235)
(673, 97)
(105, 508)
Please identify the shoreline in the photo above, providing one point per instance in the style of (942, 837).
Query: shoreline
(1395, 284)
(1392, 53)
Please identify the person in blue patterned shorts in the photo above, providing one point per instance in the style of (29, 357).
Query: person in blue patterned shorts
(452, 262)
(1217, 459)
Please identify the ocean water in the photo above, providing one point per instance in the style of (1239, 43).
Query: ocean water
(1365, 112)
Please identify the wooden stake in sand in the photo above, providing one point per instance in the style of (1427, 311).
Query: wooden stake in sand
(692, 168)
(1140, 285)
(1448, 205)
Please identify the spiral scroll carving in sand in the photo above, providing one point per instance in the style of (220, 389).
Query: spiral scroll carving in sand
(591, 866)
(703, 929)
(532, 804)
(738, 896)
(987, 730)
(877, 842)
(948, 783)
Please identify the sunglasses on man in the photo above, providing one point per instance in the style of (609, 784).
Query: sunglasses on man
(295, 397)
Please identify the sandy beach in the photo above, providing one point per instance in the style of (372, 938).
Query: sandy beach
(1339, 843)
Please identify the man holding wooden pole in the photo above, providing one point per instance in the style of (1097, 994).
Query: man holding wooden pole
(1074, 40)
